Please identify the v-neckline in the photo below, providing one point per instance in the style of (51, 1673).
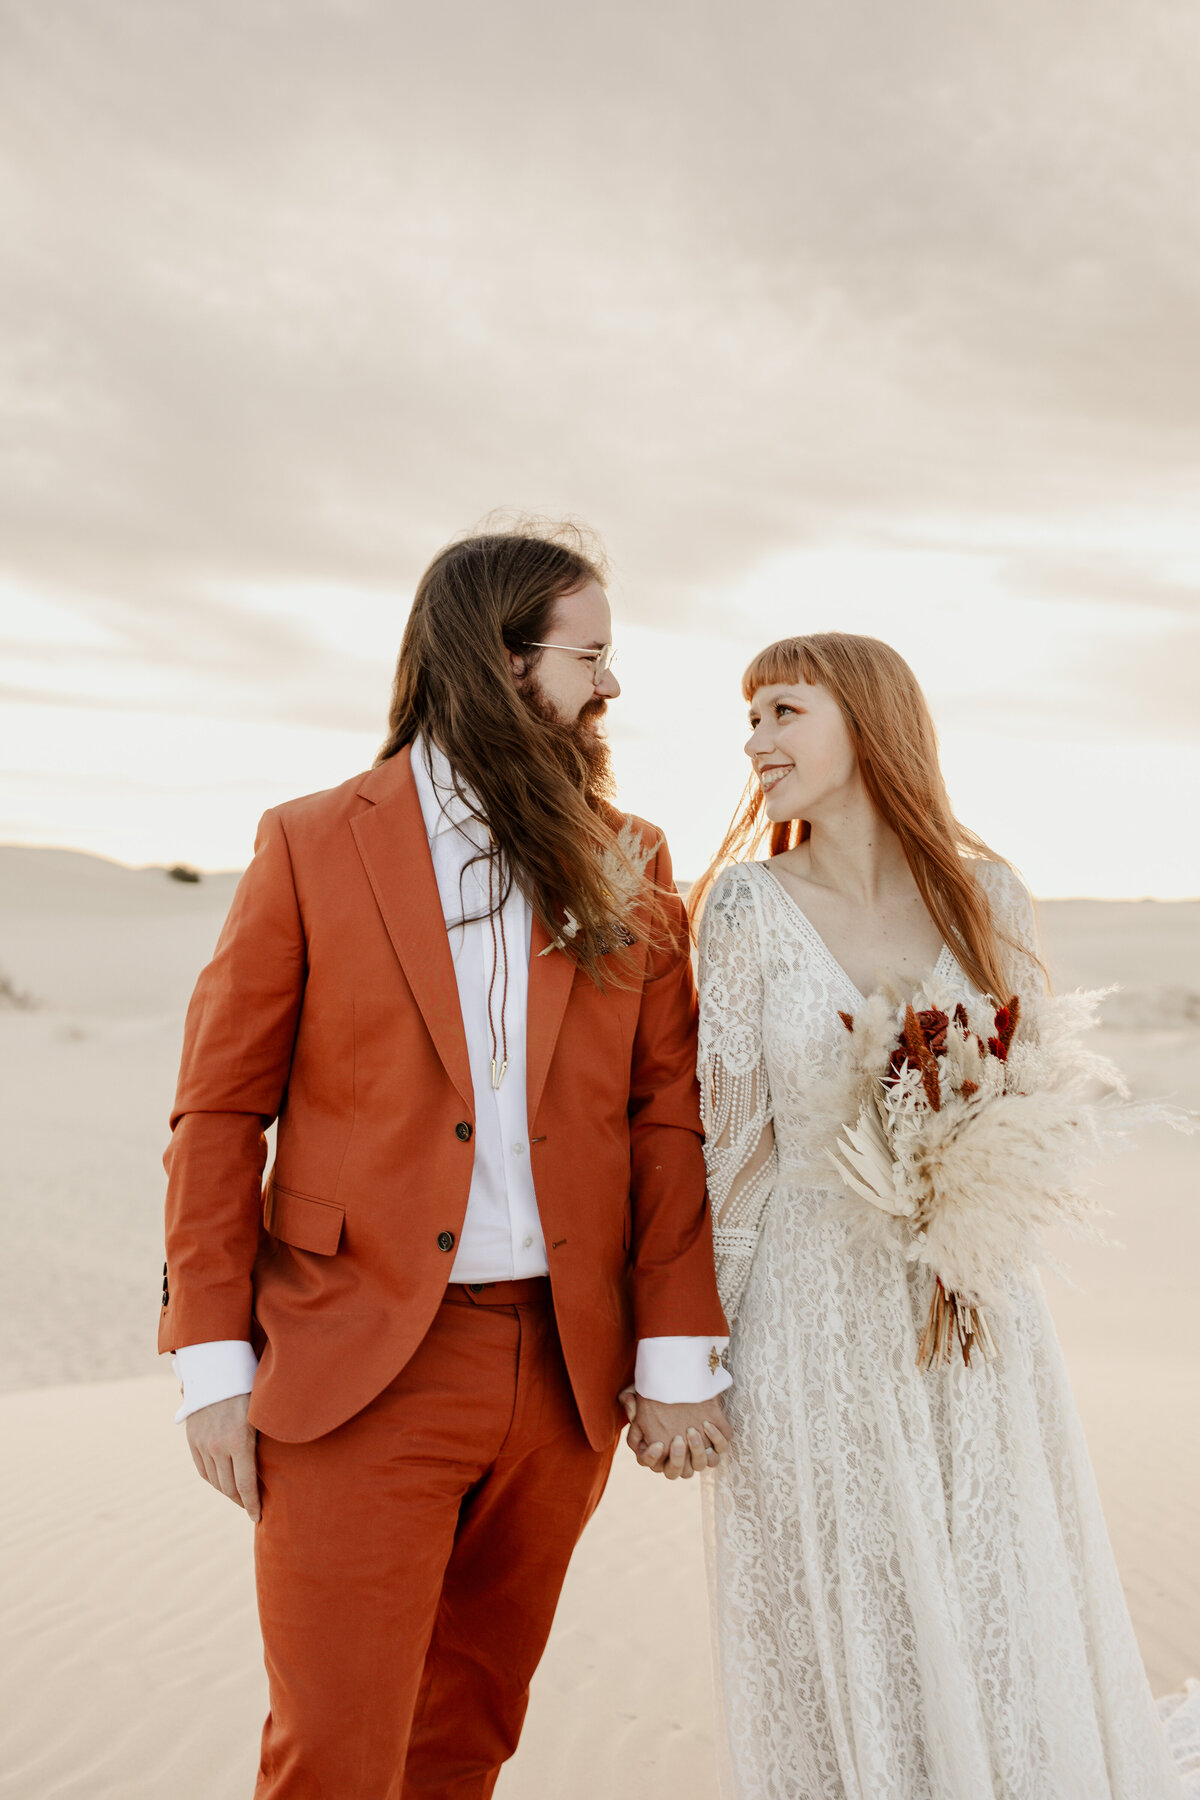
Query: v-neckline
(822, 948)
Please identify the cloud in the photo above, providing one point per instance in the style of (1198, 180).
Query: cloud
(300, 291)
(1147, 686)
(1105, 578)
(293, 294)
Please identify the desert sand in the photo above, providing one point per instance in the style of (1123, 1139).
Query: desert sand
(131, 1664)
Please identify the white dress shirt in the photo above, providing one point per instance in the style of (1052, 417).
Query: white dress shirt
(501, 1237)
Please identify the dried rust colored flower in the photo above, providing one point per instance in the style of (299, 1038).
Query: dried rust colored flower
(922, 1040)
(847, 1020)
(1006, 1024)
(934, 1025)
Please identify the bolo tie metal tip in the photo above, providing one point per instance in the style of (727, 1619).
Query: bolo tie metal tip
(499, 1074)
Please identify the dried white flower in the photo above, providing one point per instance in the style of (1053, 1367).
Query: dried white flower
(623, 865)
(975, 1128)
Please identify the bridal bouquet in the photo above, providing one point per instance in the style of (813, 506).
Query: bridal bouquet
(974, 1129)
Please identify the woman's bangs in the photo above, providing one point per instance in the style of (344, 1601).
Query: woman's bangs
(787, 661)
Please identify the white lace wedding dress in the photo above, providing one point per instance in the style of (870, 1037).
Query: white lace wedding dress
(914, 1593)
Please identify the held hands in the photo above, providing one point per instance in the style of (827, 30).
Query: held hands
(675, 1441)
(223, 1448)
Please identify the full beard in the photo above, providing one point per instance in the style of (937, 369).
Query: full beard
(580, 747)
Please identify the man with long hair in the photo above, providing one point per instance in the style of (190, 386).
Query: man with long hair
(461, 982)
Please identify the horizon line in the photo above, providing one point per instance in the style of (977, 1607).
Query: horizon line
(681, 883)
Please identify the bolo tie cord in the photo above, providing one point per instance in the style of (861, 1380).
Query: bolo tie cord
(499, 953)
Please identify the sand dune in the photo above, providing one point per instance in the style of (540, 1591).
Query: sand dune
(84, 936)
(131, 1658)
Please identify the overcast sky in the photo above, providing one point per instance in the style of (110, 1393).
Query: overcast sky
(824, 316)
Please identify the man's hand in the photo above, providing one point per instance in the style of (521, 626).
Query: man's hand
(223, 1449)
(675, 1440)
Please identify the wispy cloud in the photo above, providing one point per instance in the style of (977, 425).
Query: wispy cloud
(292, 294)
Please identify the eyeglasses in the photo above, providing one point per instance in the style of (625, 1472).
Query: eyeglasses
(601, 660)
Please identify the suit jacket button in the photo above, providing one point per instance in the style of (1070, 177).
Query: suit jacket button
(462, 1130)
(446, 1238)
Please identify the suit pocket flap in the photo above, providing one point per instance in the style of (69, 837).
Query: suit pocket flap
(306, 1224)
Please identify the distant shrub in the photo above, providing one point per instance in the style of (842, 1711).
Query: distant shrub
(12, 995)
(183, 872)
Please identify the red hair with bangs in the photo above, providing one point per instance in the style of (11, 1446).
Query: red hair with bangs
(895, 743)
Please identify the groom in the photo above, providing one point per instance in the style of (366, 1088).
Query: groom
(465, 992)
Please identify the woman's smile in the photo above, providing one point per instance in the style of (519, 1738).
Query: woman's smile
(773, 774)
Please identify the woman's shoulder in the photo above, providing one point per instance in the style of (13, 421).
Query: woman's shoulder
(730, 906)
(734, 888)
(1001, 883)
(1010, 900)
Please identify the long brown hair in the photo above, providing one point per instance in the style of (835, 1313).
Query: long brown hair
(894, 740)
(531, 781)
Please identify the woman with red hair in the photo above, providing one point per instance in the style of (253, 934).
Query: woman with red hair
(916, 1597)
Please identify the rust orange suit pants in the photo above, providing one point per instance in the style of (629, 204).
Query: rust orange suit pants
(409, 1563)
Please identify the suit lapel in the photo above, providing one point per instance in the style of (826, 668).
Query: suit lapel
(550, 979)
(394, 847)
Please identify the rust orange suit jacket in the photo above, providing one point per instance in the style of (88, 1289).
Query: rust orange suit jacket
(331, 1004)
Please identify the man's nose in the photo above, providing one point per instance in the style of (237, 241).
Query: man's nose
(608, 686)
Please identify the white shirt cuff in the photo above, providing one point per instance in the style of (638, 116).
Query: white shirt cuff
(211, 1372)
(676, 1370)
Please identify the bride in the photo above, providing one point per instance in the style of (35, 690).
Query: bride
(915, 1594)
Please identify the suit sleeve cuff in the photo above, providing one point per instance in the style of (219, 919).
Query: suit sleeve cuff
(211, 1372)
(676, 1370)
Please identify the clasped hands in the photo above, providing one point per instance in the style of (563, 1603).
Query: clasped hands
(675, 1441)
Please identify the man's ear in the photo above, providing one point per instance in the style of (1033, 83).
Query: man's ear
(518, 664)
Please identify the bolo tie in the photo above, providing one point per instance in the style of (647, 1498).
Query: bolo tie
(499, 955)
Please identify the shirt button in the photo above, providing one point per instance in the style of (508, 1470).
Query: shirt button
(528, 1244)
(518, 1149)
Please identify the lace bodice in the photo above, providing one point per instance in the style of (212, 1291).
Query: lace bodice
(770, 995)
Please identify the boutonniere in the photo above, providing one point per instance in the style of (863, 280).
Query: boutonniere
(623, 865)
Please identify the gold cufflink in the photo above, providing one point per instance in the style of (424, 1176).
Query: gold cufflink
(714, 1360)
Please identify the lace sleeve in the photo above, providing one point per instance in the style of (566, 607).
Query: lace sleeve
(735, 1096)
(1013, 915)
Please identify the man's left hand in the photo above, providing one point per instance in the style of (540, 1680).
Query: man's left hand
(675, 1441)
